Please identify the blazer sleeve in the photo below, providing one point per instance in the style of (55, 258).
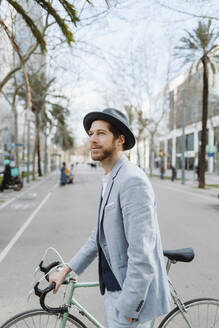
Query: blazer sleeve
(86, 254)
(138, 211)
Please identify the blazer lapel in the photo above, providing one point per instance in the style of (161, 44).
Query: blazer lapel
(108, 189)
(105, 198)
(99, 200)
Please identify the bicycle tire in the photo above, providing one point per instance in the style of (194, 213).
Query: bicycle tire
(201, 313)
(40, 319)
(18, 186)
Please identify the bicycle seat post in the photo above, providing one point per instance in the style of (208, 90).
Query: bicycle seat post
(168, 265)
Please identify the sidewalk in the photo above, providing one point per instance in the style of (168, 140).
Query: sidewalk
(211, 181)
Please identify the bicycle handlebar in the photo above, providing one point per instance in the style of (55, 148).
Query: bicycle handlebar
(47, 268)
(42, 295)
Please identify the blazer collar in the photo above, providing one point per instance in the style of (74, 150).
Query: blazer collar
(122, 159)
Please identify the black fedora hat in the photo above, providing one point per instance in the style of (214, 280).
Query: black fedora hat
(117, 119)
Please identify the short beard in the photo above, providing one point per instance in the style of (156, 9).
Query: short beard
(106, 153)
(103, 156)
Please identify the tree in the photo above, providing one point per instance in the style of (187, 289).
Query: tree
(69, 12)
(68, 15)
(11, 98)
(202, 43)
(142, 123)
(63, 136)
(40, 86)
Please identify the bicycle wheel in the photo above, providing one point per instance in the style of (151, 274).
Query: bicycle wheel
(201, 313)
(41, 319)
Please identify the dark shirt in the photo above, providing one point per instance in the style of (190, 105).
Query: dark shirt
(108, 277)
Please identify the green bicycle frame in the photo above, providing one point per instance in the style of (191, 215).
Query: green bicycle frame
(72, 301)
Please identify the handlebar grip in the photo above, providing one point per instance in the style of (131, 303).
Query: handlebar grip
(37, 290)
(47, 268)
(61, 309)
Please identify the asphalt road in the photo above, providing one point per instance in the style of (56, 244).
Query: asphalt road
(47, 215)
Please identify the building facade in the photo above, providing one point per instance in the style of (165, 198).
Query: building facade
(185, 112)
(6, 117)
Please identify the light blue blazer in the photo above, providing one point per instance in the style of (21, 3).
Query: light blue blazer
(128, 233)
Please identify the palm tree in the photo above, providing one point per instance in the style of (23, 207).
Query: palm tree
(40, 87)
(201, 48)
(63, 136)
(49, 8)
(69, 16)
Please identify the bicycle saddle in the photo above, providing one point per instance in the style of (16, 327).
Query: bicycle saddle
(180, 255)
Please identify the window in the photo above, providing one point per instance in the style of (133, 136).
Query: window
(190, 141)
(178, 144)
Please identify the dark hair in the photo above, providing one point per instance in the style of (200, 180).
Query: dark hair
(115, 131)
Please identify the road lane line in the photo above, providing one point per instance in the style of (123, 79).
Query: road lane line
(8, 202)
(23, 193)
(23, 228)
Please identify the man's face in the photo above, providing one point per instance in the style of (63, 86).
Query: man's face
(102, 142)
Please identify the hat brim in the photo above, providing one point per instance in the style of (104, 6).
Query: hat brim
(94, 116)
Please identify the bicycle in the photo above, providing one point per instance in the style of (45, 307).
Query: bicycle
(196, 313)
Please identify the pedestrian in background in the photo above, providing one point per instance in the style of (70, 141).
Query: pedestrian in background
(198, 171)
(173, 173)
(162, 171)
(63, 177)
(126, 238)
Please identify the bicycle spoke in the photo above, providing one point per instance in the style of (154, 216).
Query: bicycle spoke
(41, 319)
(33, 322)
(200, 314)
(26, 324)
(216, 319)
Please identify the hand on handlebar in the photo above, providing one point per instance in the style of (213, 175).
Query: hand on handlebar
(59, 277)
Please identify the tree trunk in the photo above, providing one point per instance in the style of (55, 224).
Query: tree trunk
(38, 144)
(138, 152)
(144, 141)
(34, 158)
(151, 159)
(202, 164)
(16, 135)
(24, 137)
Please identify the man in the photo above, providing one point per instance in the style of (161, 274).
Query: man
(126, 238)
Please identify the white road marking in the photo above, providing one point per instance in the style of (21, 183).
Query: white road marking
(7, 203)
(23, 228)
(22, 206)
(23, 193)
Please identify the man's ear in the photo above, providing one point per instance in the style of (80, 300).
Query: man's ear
(121, 139)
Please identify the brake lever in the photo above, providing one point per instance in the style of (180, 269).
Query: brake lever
(47, 268)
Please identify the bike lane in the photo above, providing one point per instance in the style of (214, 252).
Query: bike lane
(18, 211)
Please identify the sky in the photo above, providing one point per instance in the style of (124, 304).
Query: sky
(129, 47)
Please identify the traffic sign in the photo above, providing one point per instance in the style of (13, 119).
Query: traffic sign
(211, 149)
(19, 145)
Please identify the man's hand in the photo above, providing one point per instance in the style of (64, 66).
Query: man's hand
(59, 277)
